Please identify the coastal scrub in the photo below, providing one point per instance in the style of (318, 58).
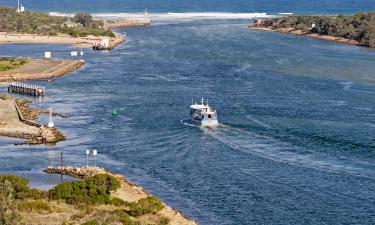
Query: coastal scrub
(359, 27)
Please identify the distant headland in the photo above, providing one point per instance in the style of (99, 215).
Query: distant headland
(81, 30)
(358, 29)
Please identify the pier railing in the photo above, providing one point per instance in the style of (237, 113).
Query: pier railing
(26, 89)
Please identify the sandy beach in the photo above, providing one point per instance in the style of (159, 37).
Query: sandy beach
(307, 34)
(78, 42)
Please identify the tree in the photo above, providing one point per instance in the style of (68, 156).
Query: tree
(371, 29)
(8, 213)
(83, 18)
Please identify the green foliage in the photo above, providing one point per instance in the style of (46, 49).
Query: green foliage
(18, 184)
(83, 32)
(44, 24)
(150, 204)
(118, 202)
(126, 220)
(11, 63)
(94, 190)
(8, 210)
(35, 206)
(359, 27)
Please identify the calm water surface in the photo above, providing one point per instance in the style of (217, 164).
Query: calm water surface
(296, 140)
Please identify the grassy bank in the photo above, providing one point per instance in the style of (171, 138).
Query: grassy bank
(11, 63)
(359, 27)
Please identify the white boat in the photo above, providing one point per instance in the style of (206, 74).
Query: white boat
(203, 115)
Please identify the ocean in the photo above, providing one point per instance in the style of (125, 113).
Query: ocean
(295, 143)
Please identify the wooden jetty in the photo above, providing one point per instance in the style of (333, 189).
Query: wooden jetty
(26, 89)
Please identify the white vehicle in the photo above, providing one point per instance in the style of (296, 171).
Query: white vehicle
(203, 115)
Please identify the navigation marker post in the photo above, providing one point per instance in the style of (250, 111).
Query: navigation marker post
(87, 157)
(94, 153)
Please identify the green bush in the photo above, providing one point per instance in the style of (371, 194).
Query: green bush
(126, 220)
(150, 204)
(94, 190)
(19, 184)
(118, 202)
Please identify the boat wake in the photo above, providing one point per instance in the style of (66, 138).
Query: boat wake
(276, 150)
(188, 123)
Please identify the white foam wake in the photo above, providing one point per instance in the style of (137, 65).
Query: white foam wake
(170, 16)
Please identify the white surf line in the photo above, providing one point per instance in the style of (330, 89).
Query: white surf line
(174, 16)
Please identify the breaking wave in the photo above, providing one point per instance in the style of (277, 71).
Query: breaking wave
(171, 16)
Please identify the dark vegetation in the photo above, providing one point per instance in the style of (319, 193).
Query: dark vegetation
(84, 195)
(151, 204)
(40, 23)
(359, 27)
(94, 190)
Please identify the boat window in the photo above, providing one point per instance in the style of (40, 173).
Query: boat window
(209, 116)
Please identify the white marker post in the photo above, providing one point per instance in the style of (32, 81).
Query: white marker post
(47, 55)
(74, 54)
(87, 157)
(94, 153)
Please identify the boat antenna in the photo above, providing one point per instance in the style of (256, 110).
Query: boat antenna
(192, 101)
(207, 101)
(202, 101)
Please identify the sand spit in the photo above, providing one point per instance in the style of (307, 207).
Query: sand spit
(128, 191)
(128, 23)
(18, 121)
(78, 42)
(41, 69)
(307, 34)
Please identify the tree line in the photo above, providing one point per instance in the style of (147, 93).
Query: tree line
(359, 27)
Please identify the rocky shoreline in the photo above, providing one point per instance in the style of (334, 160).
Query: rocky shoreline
(17, 120)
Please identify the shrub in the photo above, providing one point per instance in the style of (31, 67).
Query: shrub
(19, 184)
(150, 204)
(118, 202)
(126, 220)
(94, 190)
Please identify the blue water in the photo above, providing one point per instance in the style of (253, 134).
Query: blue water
(296, 140)
(270, 6)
